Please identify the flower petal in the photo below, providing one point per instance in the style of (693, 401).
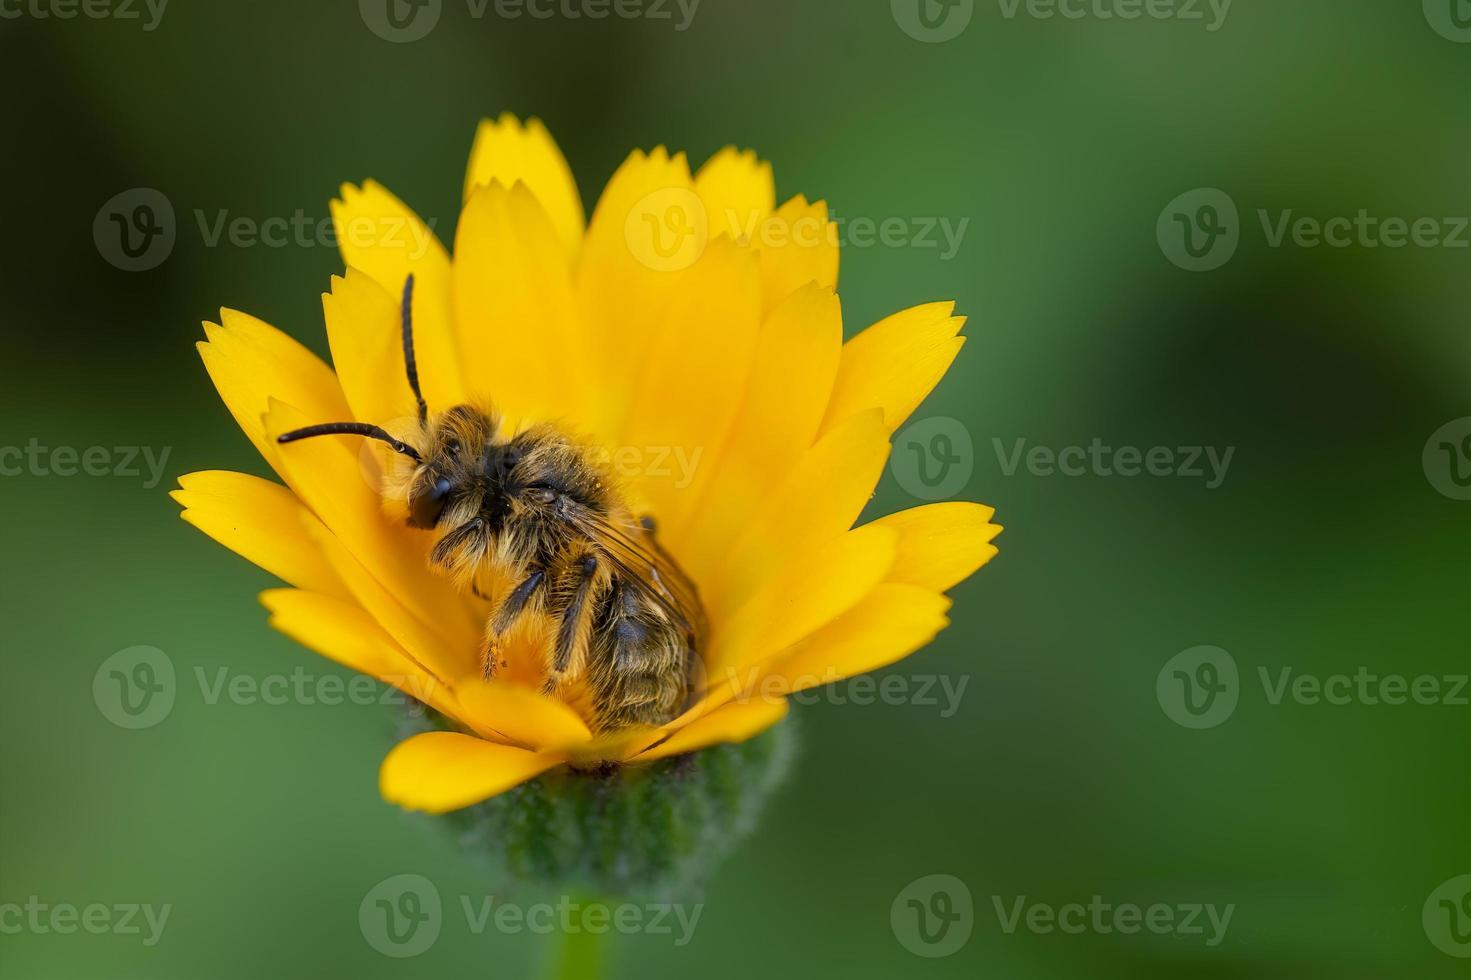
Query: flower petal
(520, 714)
(738, 190)
(332, 476)
(689, 384)
(251, 362)
(734, 722)
(260, 521)
(895, 363)
(507, 152)
(365, 331)
(624, 268)
(817, 500)
(809, 592)
(515, 311)
(785, 397)
(890, 623)
(341, 631)
(441, 649)
(442, 771)
(941, 545)
(380, 235)
(798, 245)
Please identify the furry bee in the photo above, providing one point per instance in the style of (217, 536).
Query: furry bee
(532, 517)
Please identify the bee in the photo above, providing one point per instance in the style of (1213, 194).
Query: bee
(534, 517)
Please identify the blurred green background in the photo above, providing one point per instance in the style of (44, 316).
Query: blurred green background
(1327, 549)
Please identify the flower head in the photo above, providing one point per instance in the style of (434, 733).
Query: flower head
(688, 342)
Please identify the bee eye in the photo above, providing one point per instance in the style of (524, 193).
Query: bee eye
(426, 508)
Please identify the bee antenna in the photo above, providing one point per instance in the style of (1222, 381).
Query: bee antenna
(352, 429)
(411, 365)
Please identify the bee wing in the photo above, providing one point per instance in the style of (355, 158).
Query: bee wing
(644, 565)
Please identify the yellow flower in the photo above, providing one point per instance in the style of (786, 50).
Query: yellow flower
(689, 319)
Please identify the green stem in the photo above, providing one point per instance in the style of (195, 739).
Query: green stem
(582, 953)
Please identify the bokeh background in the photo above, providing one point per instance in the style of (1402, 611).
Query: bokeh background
(1326, 549)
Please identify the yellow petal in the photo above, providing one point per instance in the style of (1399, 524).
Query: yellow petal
(380, 235)
(735, 722)
(888, 625)
(815, 501)
(941, 545)
(649, 226)
(738, 190)
(343, 632)
(811, 591)
(506, 151)
(895, 363)
(798, 245)
(365, 331)
(261, 521)
(786, 395)
(442, 771)
(251, 362)
(690, 381)
(446, 650)
(520, 714)
(524, 348)
(332, 476)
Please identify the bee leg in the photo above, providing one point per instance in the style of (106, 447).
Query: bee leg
(505, 616)
(574, 618)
